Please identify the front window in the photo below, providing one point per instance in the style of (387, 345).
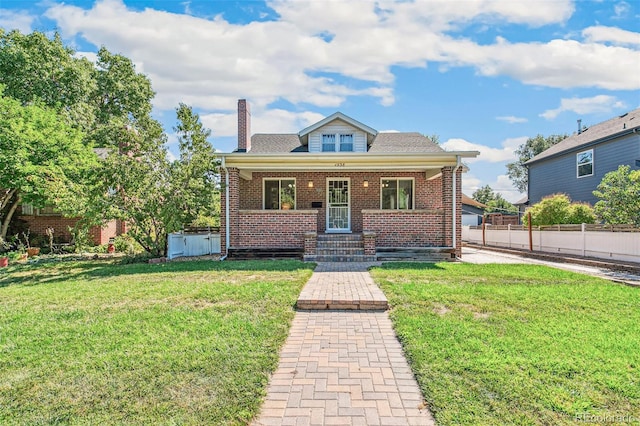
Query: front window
(279, 194)
(396, 194)
(585, 163)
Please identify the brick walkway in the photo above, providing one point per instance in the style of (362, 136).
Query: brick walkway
(343, 367)
(345, 285)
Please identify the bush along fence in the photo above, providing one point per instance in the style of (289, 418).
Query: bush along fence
(616, 242)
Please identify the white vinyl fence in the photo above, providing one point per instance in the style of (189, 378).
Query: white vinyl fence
(181, 244)
(617, 243)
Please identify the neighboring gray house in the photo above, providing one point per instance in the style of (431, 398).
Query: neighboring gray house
(576, 165)
(472, 211)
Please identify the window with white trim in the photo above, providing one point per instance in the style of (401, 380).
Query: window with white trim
(396, 194)
(279, 194)
(337, 142)
(328, 143)
(584, 163)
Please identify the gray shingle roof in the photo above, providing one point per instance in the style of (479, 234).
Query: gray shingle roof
(383, 143)
(623, 123)
(412, 142)
(262, 143)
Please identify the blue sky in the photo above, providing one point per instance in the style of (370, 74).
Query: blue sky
(482, 75)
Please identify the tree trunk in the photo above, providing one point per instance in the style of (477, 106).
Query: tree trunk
(6, 197)
(7, 219)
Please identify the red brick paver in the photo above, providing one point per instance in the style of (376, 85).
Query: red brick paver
(343, 367)
(345, 285)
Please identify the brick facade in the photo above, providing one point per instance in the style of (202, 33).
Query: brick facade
(428, 194)
(38, 226)
(428, 225)
(406, 228)
(275, 229)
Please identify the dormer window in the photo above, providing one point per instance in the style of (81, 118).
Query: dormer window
(328, 143)
(346, 143)
(337, 142)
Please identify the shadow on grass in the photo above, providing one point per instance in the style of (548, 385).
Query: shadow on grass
(411, 265)
(52, 272)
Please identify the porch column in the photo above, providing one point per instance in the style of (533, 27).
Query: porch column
(447, 205)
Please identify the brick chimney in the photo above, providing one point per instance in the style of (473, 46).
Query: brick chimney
(244, 126)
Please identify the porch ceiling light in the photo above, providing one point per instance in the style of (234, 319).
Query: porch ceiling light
(310, 184)
(365, 183)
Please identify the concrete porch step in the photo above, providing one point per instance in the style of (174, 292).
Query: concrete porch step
(339, 237)
(339, 244)
(341, 251)
(340, 258)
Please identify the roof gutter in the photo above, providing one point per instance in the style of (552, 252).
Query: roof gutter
(455, 196)
(226, 208)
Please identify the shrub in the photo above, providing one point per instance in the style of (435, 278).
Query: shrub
(558, 209)
(126, 244)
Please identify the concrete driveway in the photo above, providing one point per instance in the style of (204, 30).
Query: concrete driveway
(475, 255)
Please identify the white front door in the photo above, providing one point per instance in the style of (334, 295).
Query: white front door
(338, 206)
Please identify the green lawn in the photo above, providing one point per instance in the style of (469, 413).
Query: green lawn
(178, 343)
(516, 344)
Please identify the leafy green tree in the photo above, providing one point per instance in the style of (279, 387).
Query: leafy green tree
(517, 171)
(40, 152)
(484, 194)
(37, 69)
(619, 193)
(195, 174)
(558, 209)
(494, 201)
(500, 205)
(108, 104)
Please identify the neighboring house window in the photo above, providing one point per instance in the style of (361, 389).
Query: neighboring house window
(29, 210)
(396, 194)
(585, 163)
(279, 194)
(338, 142)
(328, 143)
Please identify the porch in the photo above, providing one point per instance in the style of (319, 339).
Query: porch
(386, 235)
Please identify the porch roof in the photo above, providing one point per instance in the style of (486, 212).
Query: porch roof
(336, 161)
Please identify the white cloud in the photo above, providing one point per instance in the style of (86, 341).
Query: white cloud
(595, 104)
(614, 35)
(16, 20)
(487, 153)
(262, 121)
(210, 63)
(621, 9)
(512, 119)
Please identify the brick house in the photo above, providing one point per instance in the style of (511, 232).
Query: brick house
(340, 190)
(38, 220)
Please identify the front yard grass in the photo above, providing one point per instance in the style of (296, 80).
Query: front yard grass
(517, 344)
(177, 343)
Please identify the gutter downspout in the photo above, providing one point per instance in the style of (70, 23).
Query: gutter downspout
(455, 186)
(226, 209)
